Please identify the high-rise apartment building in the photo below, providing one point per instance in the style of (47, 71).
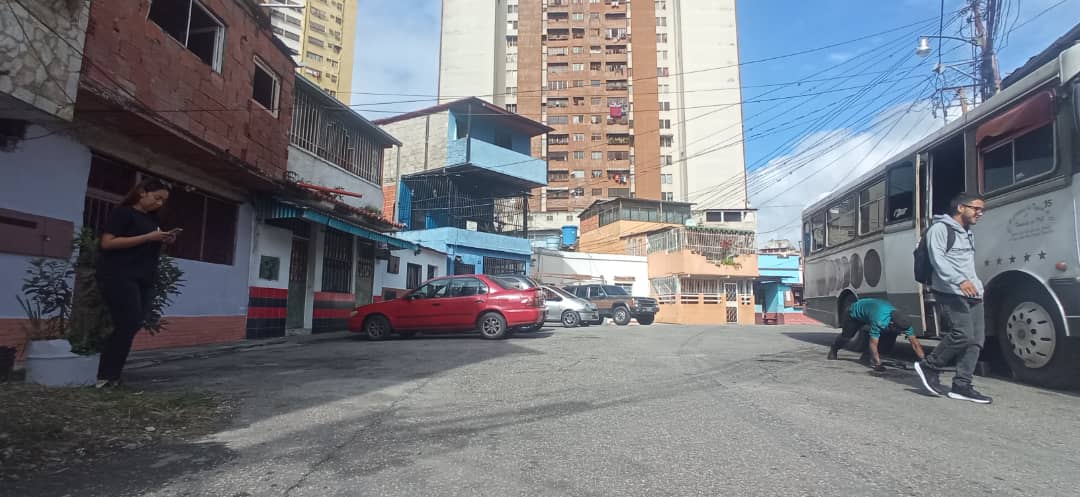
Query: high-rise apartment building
(322, 34)
(644, 96)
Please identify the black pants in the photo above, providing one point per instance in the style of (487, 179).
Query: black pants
(128, 300)
(851, 328)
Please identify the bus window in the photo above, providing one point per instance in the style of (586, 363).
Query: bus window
(806, 238)
(1028, 156)
(818, 222)
(841, 223)
(901, 193)
(872, 208)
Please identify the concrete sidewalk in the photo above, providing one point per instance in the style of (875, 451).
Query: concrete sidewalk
(146, 358)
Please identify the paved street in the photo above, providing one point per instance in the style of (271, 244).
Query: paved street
(604, 411)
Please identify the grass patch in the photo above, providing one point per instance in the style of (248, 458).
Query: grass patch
(49, 429)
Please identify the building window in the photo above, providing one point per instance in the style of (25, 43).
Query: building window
(579, 137)
(558, 194)
(665, 179)
(578, 119)
(597, 155)
(596, 192)
(557, 85)
(577, 173)
(413, 273)
(579, 155)
(432, 271)
(511, 90)
(667, 196)
(511, 41)
(577, 16)
(315, 41)
(209, 227)
(665, 124)
(551, 120)
(661, 72)
(265, 87)
(661, 21)
(661, 55)
(665, 105)
(316, 27)
(667, 141)
(314, 57)
(578, 50)
(393, 265)
(577, 192)
(661, 37)
(596, 119)
(596, 137)
(578, 67)
(337, 262)
(665, 160)
(597, 173)
(512, 9)
(618, 192)
(191, 24)
(512, 108)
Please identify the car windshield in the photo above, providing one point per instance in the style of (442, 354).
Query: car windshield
(514, 282)
(613, 290)
(560, 292)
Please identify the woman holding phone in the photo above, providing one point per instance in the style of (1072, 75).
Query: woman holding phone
(130, 247)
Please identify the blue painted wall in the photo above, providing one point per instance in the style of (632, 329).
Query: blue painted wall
(471, 246)
(787, 269)
(46, 177)
(484, 128)
(217, 289)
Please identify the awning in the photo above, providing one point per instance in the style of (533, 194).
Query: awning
(278, 209)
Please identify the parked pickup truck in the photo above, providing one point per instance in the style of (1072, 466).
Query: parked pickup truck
(614, 302)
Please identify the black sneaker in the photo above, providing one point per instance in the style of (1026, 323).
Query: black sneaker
(832, 355)
(929, 377)
(969, 394)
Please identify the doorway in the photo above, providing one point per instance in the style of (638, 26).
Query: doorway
(298, 275)
(731, 301)
(365, 272)
(946, 175)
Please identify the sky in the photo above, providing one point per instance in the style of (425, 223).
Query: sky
(864, 101)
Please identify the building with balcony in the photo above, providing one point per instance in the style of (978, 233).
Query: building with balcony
(322, 35)
(635, 89)
(182, 90)
(460, 183)
(778, 291)
(318, 241)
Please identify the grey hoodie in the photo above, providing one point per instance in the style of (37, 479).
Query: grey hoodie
(957, 265)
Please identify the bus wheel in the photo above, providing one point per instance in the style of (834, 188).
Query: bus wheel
(1031, 333)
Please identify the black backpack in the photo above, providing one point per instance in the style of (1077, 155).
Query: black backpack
(924, 270)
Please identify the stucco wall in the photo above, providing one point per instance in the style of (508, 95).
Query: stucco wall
(562, 268)
(426, 257)
(271, 241)
(318, 171)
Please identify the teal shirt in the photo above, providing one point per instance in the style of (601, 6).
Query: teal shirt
(877, 313)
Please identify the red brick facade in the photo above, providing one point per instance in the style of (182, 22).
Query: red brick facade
(389, 193)
(130, 61)
(179, 332)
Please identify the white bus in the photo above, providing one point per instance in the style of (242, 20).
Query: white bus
(1019, 150)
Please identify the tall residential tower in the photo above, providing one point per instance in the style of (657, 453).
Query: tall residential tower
(322, 33)
(643, 95)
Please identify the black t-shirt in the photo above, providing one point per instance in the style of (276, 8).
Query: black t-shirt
(139, 261)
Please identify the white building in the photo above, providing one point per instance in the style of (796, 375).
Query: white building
(557, 268)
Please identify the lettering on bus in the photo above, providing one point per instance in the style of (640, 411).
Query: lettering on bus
(1034, 220)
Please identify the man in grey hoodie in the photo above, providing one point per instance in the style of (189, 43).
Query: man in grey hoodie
(959, 295)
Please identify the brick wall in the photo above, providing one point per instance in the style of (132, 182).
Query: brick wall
(130, 55)
(389, 195)
(180, 332)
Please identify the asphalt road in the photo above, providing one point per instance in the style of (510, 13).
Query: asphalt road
(605, 411)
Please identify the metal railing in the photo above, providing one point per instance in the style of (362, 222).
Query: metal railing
(325, 133)
(714, 245)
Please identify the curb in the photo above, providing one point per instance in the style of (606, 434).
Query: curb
(154, 357)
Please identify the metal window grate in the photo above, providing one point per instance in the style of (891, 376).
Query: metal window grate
(337, 262)
(319, 130)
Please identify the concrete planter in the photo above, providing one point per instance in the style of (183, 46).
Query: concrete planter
(51, 363)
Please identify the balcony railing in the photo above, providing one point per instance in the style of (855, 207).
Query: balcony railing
(715, 245)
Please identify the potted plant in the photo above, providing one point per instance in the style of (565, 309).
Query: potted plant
(67, 321)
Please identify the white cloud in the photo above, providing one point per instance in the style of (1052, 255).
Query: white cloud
(780, 191)
(837, 57)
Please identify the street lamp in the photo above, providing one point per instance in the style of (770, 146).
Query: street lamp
(923, 49)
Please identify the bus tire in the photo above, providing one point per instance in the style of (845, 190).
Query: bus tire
(1031, 333)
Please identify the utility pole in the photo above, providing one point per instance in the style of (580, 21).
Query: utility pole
(989, 78)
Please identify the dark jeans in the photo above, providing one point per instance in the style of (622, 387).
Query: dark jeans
(128, 300)
(963, 334)
(851, 328)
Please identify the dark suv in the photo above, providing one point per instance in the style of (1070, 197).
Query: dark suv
(615, 303)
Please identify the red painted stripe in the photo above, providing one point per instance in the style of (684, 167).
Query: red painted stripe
(331, 313)
(269, 293)
(335, 297)
(266, 312)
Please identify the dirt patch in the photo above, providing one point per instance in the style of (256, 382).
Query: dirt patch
(49, 430)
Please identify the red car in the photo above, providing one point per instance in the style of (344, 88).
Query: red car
(455, 303)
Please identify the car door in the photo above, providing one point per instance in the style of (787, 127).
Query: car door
(424, 307)
(467, 298)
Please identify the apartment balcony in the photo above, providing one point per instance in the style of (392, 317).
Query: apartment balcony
(504, 167)
(702, 252)
(558, 5)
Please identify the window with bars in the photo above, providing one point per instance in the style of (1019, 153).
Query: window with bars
(321, 130)
(337, 262)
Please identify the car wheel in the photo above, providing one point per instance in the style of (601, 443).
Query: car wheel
(1031, 334)
(570, 319)
(377, 328)
(646, 319)
(621, 316)
(530, 328)
(492, 326)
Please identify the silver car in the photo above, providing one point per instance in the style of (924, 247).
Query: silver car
(567, 309)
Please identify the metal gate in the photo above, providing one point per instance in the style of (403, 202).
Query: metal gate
(298, 266)
(731, 302)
